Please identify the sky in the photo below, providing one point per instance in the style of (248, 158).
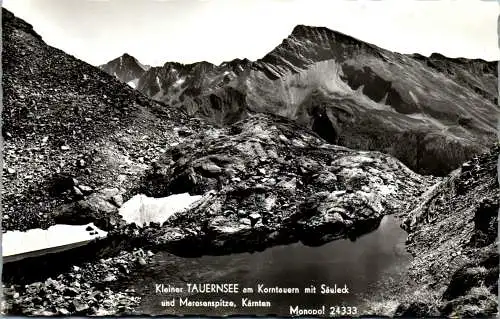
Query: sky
(157, 31)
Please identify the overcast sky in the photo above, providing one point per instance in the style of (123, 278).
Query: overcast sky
(156, 31)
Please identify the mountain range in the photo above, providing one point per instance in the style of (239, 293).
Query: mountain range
(432, 113)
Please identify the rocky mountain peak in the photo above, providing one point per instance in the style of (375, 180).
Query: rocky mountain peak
(126, 68)
(130, 60)
(307, 45)
(172, 65)
(238, 61)
(320, 34)
(127, 56)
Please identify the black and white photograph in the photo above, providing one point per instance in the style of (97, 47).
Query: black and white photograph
(274, 158)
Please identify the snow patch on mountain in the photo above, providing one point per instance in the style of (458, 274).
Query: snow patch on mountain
(142, 209)
(53, 237)
(133, 83)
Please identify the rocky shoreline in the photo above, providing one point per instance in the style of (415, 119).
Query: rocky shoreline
(83, 290)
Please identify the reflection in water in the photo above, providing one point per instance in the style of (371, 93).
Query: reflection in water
(364, 265)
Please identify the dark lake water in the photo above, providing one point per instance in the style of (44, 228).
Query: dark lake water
(366, 266)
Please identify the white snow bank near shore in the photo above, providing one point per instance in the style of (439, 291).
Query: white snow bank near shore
(54, 238)
(142, 209)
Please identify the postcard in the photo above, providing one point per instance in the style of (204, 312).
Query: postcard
(277, 158)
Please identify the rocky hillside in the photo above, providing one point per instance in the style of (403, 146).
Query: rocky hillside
(71, 130)
(126, 68)
(454, 238)
(268, 181)
(351, 93)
